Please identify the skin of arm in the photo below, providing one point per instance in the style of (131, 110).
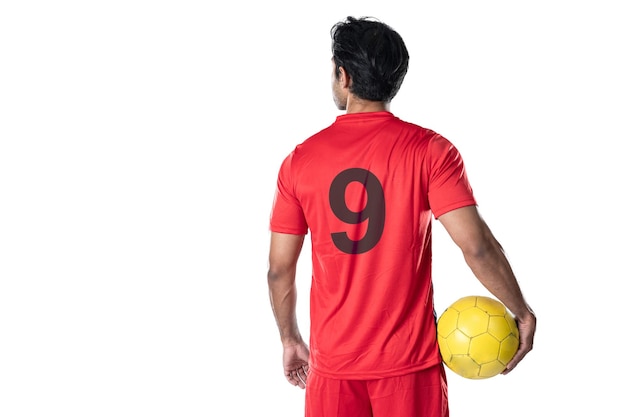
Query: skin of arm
(488, 262)
(285, 250)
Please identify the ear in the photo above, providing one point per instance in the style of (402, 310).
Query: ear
(344, 78)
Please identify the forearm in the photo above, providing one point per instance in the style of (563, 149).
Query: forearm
(492, 268)
(283, 296)
(486, 258)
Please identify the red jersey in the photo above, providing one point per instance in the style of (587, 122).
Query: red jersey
(367, 188)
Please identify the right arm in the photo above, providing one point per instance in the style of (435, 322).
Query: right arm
(487, 260)
(281, 280)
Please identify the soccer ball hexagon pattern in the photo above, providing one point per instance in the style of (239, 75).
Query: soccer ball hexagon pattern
(477, 337)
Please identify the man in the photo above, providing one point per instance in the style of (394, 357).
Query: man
(367, 188)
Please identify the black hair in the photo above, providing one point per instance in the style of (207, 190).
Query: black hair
(372, 54)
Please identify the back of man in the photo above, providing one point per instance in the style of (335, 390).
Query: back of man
(366, 188)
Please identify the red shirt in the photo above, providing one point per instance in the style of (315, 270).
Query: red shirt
(367, 188)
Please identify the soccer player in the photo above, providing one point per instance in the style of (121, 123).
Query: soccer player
(366, 188)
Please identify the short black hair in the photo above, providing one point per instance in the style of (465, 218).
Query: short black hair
(372, 54)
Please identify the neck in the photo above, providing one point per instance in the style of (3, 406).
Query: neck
(357, 105)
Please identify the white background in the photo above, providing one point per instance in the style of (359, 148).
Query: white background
(139, 144)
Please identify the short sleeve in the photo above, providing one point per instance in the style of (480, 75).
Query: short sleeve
(287, 215)
(449, 187)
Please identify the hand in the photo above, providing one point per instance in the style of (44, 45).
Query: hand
(296, 364)
(526, 336)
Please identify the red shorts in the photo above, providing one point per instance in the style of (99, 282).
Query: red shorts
(420, 394)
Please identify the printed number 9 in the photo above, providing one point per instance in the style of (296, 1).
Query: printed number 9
(373, 212)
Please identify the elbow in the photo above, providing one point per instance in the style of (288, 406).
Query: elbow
(475, 251)
(272, 275)
(277, 276)
(481, 250)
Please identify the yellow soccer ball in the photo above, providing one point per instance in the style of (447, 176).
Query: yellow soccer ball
(477, 337)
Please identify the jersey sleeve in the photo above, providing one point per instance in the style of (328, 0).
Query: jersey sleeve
(449, 186)
(287, 215)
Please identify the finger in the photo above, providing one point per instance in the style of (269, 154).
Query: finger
(299, 376)
(302, 375)
(294, 378)
(515, 361)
